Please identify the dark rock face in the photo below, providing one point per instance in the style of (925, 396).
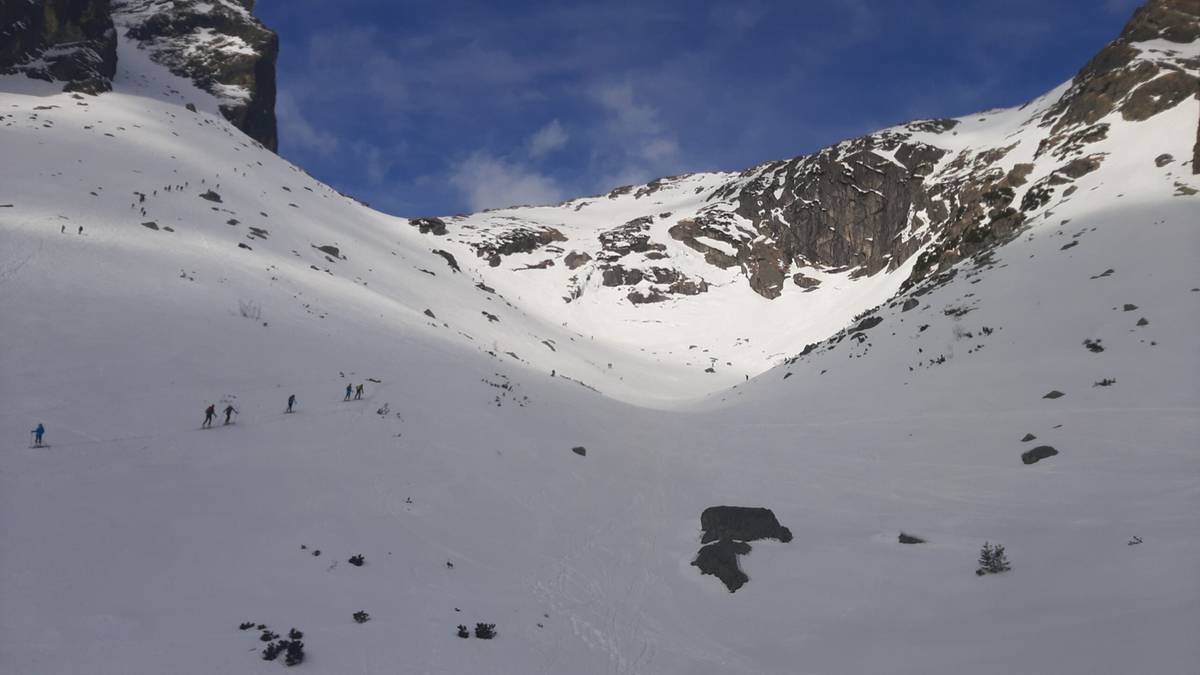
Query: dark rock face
(720, 560)
(69, 41)
(449, 259)
(579, 450)
(741, 523)
(514, 240)
(1037, 454)
(730, 527)
(574, 260)
(220, 46)
(434, 226)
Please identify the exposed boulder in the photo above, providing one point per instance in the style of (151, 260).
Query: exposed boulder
(726, 531)
(720, 560)
(741, 523)
(449, 259)
(574, 260)
(906, 538)
(1038, 454)
(434, 226)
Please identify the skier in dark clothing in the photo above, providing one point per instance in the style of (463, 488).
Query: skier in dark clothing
(291, 402)
(229, 410)
(348, 390)
(209, 412)
(37, 435)
(358, 393)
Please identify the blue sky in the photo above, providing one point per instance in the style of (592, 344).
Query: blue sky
(435, 108)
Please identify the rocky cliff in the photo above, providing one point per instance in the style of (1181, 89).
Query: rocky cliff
(217, 44)
(69, 41)
(872, 203)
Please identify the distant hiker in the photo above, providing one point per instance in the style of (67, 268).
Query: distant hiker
(37, 435)
(348, 390)
(209, 412)
(80, 229)
(358, 393)
(62, 229)
(229, 410)
(291, 402)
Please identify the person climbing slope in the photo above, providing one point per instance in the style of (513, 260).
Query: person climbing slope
(209, 412)
(37, 435)
(358, 393)
(349, 389)
(291, 402)
(229, 410)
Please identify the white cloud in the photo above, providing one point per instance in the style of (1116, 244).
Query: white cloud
(295, 130)
(489, 182)
(547, 139)
(630, 116)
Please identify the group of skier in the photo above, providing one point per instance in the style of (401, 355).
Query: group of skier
(211, 412)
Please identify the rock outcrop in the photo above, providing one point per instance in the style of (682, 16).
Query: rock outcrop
(217, 44)
(68, 41)
(727, 529)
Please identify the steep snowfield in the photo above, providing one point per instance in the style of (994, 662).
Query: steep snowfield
(137, 542)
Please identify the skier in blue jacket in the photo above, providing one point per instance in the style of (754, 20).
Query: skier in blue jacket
(37, 434)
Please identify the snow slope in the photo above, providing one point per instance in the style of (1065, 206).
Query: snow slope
(138, 542)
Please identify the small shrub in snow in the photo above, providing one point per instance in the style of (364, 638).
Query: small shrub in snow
(246, 625)
(295, 634)
(295, 653)
(361, 617)
(271, 651)
(357, 560)
(1093, 346)
(267, 636)
(992, 560)
(462, 631)
(485, 631)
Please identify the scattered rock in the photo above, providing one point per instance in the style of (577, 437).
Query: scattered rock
(906, 538)
(579, 450)
(1143, 322)
(1054, 394)
(1037, 454)
(910, 304)
(150, 224)
(429, 313)
(1163, 160)
(211, 196)
(1128, 307)
(1028, 437)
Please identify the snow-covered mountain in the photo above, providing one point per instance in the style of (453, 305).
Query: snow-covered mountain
(860, 340)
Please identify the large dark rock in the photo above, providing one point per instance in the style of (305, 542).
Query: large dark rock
(219, 46)
(741, 523)
(730, 527)
(68, 41)
(720, 560)
(1038, 454)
